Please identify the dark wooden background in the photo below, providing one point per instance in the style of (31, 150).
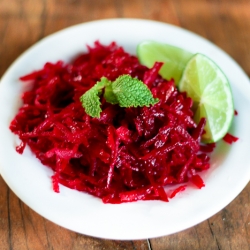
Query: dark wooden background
(24, 22)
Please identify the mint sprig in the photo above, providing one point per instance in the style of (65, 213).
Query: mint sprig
(90, 99)
(125, 91)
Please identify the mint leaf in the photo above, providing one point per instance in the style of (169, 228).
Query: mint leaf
(109, 95)
(91, 102)
(90, 99)
(125, 91)
(131, 92)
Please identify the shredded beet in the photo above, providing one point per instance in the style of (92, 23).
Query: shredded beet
(228, 138)
(208, 148)
(177, 190)
(127, 154)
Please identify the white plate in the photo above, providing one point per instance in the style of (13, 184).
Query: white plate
(80, 212)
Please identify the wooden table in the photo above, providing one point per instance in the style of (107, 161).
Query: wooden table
(23, 23)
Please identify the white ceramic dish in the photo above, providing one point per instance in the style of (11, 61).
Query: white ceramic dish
(80, 212)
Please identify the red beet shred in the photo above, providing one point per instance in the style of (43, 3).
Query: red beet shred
(127, 154)
(229, 138)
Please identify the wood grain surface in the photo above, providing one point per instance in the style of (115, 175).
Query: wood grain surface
(24, 22)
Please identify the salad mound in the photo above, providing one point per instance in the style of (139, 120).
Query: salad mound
(125, 155)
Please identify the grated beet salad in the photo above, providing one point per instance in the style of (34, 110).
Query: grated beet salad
(127, 154)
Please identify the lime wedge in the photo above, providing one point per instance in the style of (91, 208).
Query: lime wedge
(210, 90)
(174, 58)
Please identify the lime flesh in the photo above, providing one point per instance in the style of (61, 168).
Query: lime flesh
(210, 90)
(174, 58)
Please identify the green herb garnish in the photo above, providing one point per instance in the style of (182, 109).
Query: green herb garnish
(125, 91)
